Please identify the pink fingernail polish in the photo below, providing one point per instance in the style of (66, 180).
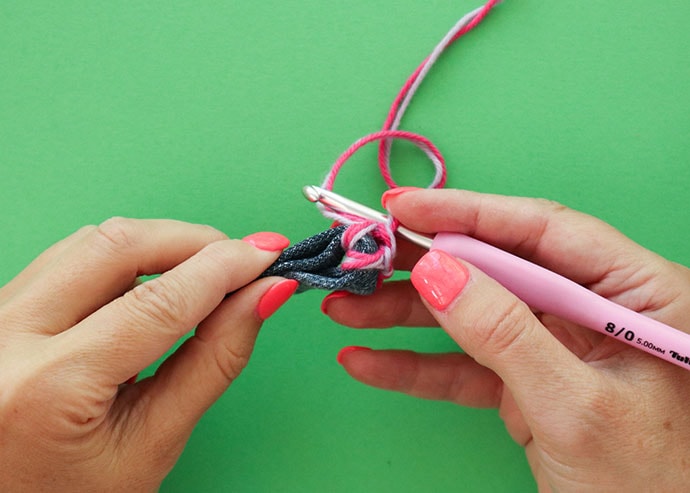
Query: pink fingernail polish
(334, 295)
(349, 349)
(394, 192)
(271, 242)
(275, 297)
(439, 278)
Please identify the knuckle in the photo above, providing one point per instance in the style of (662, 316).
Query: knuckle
(217, 255)
(85, 230)
(543, 212)
(600, 410)
(115, 233)
(456, 388)
(157, 301)
(230, 361)
(217, 252)
(214, 233)
(411, 381)
(602, 403)
(551, 205)
(502, 330)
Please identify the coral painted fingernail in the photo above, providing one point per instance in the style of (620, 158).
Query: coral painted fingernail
(439, 278)
(334, 295)
(274, 298)
(349, 349)
(271, 242)
(394, 192)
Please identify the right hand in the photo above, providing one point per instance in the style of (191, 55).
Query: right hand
(592, 413)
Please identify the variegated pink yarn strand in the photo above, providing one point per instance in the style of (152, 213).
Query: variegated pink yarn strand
(384, 233)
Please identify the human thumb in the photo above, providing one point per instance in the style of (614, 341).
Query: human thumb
(498, 330)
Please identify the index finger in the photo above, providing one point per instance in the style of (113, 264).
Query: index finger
(131, 332)
(576, 245)
(98, 264)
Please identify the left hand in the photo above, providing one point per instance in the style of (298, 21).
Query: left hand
(74, 326)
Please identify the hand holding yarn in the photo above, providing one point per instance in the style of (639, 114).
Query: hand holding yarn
(75, 325)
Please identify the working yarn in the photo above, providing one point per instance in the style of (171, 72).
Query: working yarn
(358, 255)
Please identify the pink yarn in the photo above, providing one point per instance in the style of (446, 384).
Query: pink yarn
(384, 233)
(393, 113)
(381, 259)
(420, 141)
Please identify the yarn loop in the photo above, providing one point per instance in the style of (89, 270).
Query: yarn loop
(358, 255)
(384, 235)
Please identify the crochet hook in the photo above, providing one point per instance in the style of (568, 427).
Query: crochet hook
(540, 288)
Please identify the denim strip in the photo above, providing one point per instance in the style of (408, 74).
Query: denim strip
(315, 264)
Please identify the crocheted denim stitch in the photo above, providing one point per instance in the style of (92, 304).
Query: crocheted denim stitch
(315, 263)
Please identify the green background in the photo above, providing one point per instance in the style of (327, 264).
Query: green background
(219, 112)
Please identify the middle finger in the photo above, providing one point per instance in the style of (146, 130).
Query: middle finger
(396, 303)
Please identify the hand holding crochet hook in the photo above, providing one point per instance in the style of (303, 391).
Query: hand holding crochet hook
(592, 412)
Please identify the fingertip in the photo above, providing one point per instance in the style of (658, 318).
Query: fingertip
(394, 192)
(275, 297)
(332, 296)
(344, 352)
(439, 278)
(268, 241)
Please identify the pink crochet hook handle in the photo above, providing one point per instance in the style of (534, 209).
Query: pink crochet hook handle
(552, 293)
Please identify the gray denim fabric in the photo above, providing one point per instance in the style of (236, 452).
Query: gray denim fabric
(315, 263)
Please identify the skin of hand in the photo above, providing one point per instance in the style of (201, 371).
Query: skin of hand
(592, 413)
(76, 324)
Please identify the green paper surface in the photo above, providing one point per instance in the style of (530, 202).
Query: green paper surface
(219, 112)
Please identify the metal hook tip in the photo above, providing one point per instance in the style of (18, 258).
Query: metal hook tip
(312, 193)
